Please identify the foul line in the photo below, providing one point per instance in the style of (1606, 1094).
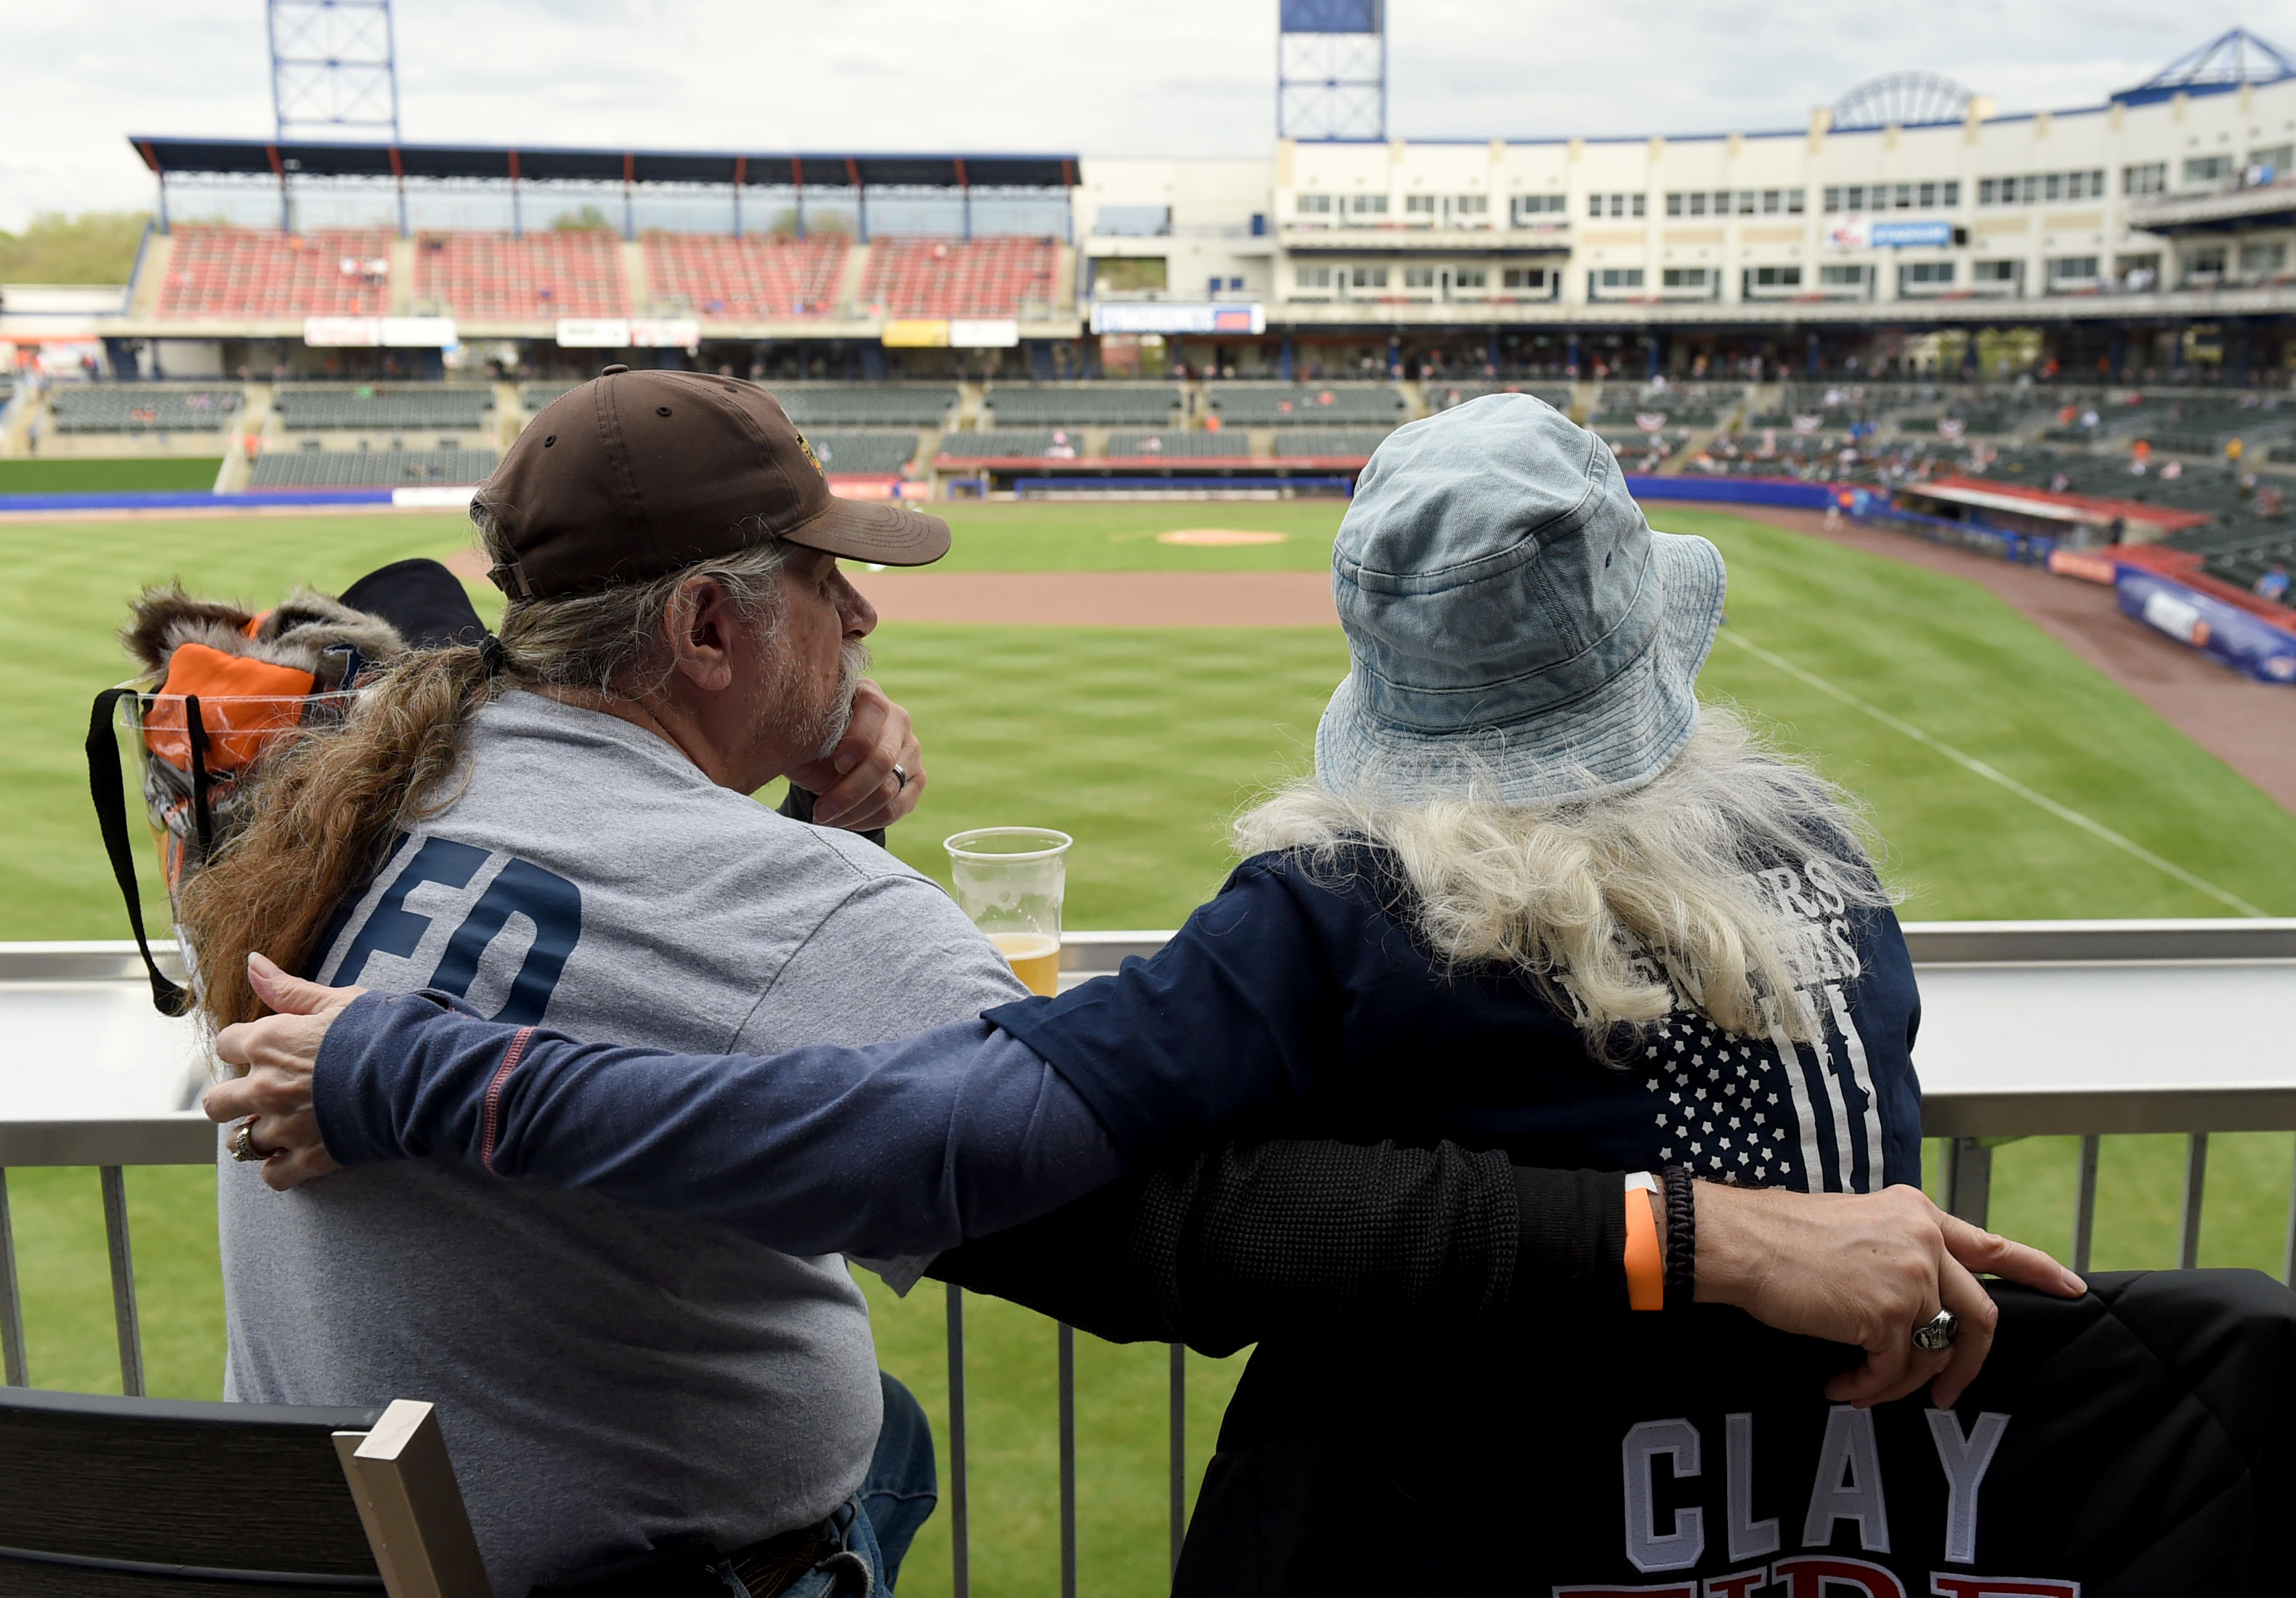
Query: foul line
(1969, 762)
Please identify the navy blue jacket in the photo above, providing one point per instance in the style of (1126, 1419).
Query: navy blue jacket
(1299, 1003)
(1291, 1005)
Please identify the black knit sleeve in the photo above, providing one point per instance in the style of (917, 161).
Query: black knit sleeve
(1250, 1241)
(796, 804)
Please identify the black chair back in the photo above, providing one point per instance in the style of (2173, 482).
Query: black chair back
(161, 1497)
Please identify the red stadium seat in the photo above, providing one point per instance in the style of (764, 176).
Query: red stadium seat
(538, 278)
(754, 279)
(952, 277)
(246, 272)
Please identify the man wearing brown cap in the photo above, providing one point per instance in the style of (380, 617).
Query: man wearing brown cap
(558, 823)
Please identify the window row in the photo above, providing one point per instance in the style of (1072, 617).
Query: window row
(1520, 208)
(1893, 197)
(1423, 278)
(1739, 202)
(2034, 187)
(2152, 177)
(1346, 205)
(2256, 260)
(1463, 205)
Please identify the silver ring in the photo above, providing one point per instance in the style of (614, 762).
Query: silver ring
(900, 776)
(1935, 1334)
(243, 1143)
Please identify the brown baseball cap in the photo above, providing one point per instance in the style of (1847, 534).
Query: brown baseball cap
(639, 473)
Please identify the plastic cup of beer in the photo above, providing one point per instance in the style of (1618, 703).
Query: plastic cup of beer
(1009, 881)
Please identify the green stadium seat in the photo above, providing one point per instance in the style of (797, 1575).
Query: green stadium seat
(1058, 405)
(372, 468)
(142, 408)
(372, 407)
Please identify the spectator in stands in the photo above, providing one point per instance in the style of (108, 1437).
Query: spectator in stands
(1533, 893)
(2274, 584)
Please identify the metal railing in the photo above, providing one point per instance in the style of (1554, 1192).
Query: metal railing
(2015, 1043)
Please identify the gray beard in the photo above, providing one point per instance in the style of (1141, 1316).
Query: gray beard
(817, 730)
(852, 664)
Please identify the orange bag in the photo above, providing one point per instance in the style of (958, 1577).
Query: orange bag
(228, 686)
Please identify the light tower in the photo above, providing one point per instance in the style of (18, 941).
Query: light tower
(333, 70)
(1331, 70)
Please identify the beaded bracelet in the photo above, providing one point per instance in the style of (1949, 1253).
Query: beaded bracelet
(1681, 1237)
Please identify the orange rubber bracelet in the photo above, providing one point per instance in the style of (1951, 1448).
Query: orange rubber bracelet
(1645, 1266)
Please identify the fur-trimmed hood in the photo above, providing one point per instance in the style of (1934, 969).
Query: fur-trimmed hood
(297, 633)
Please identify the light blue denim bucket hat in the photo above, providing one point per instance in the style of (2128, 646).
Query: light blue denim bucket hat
(1516, 631)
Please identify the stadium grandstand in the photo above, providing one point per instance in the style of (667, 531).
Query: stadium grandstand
(2095, 233)
(2145, 238)
(2096, 303)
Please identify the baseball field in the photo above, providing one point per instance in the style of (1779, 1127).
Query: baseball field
(2009, 778)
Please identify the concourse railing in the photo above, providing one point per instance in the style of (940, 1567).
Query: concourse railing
(2028, 1029)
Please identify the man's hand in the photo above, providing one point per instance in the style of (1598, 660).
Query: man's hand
(857, 789)
(1866, 1269)
(279, 1052)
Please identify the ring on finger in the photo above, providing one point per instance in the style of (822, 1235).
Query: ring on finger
(1935, 1334)
(243, 1143)
(900, 776)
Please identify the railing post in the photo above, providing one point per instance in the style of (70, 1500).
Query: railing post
(2291, 1277)
(123, 1280)
(11, 1304)
(1179, 1450)
(2196, 1177)
(960, 1524)
(2084, 1206)
(1968, 1179)
(1068, 1462)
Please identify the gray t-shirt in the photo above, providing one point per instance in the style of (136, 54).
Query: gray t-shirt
(604, 1377)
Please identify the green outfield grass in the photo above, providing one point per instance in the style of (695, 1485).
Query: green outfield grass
(1142, 742)
(195, 474)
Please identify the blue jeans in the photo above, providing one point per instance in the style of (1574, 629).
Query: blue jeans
(878, 1522)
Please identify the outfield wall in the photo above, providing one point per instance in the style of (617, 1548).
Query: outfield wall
(404, 499)
(1732, 490)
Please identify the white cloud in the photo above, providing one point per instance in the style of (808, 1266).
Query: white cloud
(1180, 76)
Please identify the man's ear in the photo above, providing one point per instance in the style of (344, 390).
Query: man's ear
(704, 623)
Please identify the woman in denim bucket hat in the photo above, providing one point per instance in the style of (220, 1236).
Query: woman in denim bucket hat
(1533, 901)
(1518, 630)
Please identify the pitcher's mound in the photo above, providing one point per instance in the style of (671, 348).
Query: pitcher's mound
(1217, 535)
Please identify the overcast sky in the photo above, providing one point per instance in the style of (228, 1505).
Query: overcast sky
(1163, 77)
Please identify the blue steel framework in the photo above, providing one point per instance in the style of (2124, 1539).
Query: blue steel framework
(1331, 70)
(333, 68)
(2234, 57)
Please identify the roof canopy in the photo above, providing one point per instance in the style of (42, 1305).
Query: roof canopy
(2225, 61)
(262, 157)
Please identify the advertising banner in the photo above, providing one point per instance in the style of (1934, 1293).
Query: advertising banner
(914, 333)
(2247, 643)
(1865, 232)
(342, 332)
(418, 333)
(2088, 566)
(670, 333)
(990, 333)
(1164, 316)
(593, 332)
(368, 332)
